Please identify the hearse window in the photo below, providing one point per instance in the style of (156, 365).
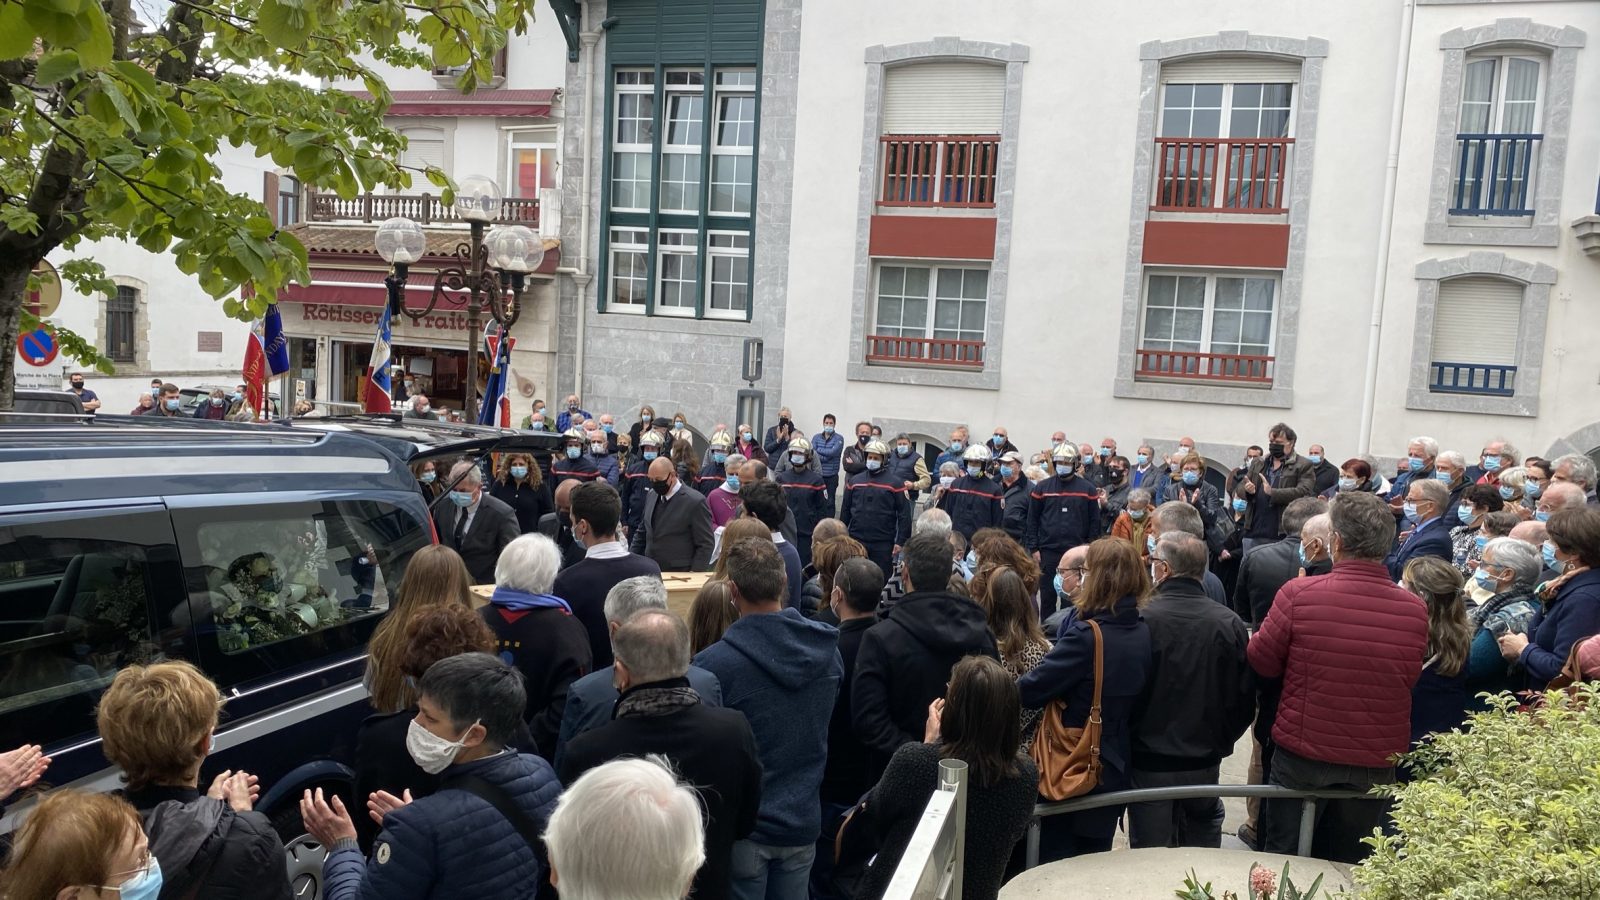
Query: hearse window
(74, 608)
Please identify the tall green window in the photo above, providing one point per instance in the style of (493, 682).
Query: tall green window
(680, 190)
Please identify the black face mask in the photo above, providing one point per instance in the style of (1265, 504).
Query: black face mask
(1276, 450)
(863, 438)
(1116, 474)
(662, 486)
(77, 385)
(564, 517)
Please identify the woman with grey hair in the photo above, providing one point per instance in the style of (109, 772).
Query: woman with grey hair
(1509, 568)
(948, 473)
(536, 632)
(628, 828)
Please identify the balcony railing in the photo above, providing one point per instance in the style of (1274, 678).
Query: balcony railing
(924, 352)
(1233, 175)
(1473, 378)
(1186, 365)
(1492, 174)
(939, 170)
(424, 209)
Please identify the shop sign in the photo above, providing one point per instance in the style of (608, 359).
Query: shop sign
(367, 317)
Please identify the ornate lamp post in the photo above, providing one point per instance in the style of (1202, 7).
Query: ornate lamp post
(492, 269)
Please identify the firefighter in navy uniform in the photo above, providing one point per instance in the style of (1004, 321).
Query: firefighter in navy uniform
(807, 494)
(573, 462)
(973, 502)
(876, 510)
(1063, 512)
(715, 471)
(636, 481)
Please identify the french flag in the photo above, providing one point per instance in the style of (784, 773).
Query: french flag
(375, 392)
(496, 408)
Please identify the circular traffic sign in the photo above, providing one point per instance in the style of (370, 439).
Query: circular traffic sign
(47, 299)
(38, 347)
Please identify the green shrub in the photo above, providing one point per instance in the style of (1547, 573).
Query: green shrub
(1509, 808)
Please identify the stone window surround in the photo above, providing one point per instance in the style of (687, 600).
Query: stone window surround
(1537, 278)
(1312, 52)
(141, 323)
(879, 57)
(1560, 48)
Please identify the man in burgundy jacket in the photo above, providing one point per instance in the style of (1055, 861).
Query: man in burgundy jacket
(1349, 646)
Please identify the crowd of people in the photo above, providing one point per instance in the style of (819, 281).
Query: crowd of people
(779, 738)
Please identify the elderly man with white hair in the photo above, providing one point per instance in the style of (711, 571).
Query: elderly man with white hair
(626, 829)
(474, 524)
(1575, 468)
(1450, 470)
(1421, 453)
(536, 632)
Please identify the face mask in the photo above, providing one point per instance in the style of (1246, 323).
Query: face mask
(427, 406)
(955, 446)
(874, 465)
(1275, 450)
(1149, 543)
(1445, 477)
(1063, 469)
(1464, 513)
(903, 449)
(975, 471)
(1239, 504)
(172, 404)
(1532, 490)
(607, 427)
(1301, 552)
(461, 498)
(1481, 541)
(537, 426)
(797, 459)
(650, 454)
(564, 518)
(431, 753)
(645, 418)
(744, 436)
(1007, 471)
(719, 458)
(1548, 554)
(1316, 459)
(1105, 452)
(77, 385)
(1507, 492)
(1542, 515)
(216, 401)
(1414, 463)
(1410, 510)
(1116, 474)
(597, 449)
(235, 396)
(572, 407)
(1347, 484)
(862, 439)
(661, 487)
(998, 440)
(429, 477)
(946, 480)
(1137, 514)
(1484, 579)
(144, 886)
(677, 426)
(155, 390)
(1491, 463)
(1060, 591)
(519, 472)
(1142, 458)
(574, 452)
(1191, 478)
(827, 429)
(732, 482)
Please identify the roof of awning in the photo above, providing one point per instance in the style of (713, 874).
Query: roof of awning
(505, 102)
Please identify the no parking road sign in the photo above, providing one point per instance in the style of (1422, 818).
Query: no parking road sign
(38, 347)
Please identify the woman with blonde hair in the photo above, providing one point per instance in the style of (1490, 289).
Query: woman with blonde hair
(435, 576)
(995, 548)
(81, 845)
(710, 614)
(1008, 604)
(1439, 699)
(1106, 610)
(520, 485)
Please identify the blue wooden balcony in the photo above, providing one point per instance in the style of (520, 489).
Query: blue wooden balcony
(1473, 378)
(1493, 174)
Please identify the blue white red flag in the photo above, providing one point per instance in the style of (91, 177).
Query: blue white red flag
(275, 344)
(375, 393)
(496, 406)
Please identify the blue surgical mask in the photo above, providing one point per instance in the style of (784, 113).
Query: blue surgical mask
(155, 390)
(144, 886)
(1316, 459)
(1060, 591)
(1300, 551)
(1007, 471)
(797, 459)
(1484, 579)
(1548, 553)
(461, 498)
(955, 446)
(1105, 451)
(1142, 458)
(607, 427)
(216, 401)
(519, 472)
(1150, 544)
(1445, 477)
(1191, 478)
(1491, 463)
(1137, 514)
(998, 440)
(1464, 513)
(975, 471)
(1507, 492)
(1239, 504)
(428, 477)
(650, 454)
(1063, 469)
(827, 429)
(172, 403)
(574, 452)
(732, 482)
(235, 396)
(1410, 510)
(1347, 484)
(744, 436)
(677, 426)
(1542, 515)
(903, 449)
(874, 465)
(538, 425)
(719, 458)
(1481, 541)
(1414, 463)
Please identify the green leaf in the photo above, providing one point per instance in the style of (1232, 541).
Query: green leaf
(136, 75)
(113, 92)
(437, 177)
(58, 65)
(94, 44)
(259, 226)
(286, 23)
(16, 35)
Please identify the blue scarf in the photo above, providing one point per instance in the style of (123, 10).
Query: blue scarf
(522, 601)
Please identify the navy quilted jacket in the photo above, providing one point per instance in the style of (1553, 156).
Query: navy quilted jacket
(453, 844)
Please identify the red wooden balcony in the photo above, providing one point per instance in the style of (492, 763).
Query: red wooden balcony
(1243, 175)
(910, 351)
(1186, 365)
(424, 209)
(953, 170)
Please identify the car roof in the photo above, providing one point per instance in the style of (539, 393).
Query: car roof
(409, 437)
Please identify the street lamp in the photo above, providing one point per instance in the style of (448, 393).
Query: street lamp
(492, 268)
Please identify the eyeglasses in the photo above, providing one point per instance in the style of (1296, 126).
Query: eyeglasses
(1078, 570)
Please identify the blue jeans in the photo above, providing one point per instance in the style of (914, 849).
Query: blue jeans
(765, 872)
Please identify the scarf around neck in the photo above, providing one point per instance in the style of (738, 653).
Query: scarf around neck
(522, 601)
(659, 699)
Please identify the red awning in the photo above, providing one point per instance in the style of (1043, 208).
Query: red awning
(511, 103)
(365, 287)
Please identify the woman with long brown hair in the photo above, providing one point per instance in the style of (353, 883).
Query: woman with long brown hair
(1439, 699)
(737, 530)
(826, 557)
(1008, 604)
(427, 475)
(710, 614)
(78, 844)
(435, 576)
(1115, 585)
(995, 549)
(520, 485)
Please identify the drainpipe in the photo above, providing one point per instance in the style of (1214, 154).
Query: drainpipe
(581, 278)
(1380, 276)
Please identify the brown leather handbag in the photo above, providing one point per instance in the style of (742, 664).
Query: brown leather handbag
(1069, 758)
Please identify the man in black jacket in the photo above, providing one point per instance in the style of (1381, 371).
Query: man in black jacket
(605, 564)
(1198, 700)
(675, 526)
(1269, 566)
(1014, 504)
(474, 524)
(658, 712)
(904, 662)
(1063, 512)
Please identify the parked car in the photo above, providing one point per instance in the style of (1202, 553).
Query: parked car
(30, 406)
(265, 554)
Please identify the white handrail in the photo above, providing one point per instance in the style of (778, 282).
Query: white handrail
(931, 867)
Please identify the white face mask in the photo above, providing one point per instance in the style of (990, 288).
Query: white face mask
(431, 753)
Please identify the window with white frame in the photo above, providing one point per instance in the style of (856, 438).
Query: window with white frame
(677, 272)
(957, 297)
(424, 148)
(1477, 324)
(1497, 144)
(531, 159)
(733, 142)
(680, 147)
(1240, 126)
(1209, 313)
(630, 268)
(728, 275)
(632, 140)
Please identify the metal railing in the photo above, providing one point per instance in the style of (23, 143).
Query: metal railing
(1472, 378)
(1492, 174)
(424, 209)
(924, 351)
(1189, 365)
(1236, 175)
(955, 170)
(931, 867)
(1308, 806)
